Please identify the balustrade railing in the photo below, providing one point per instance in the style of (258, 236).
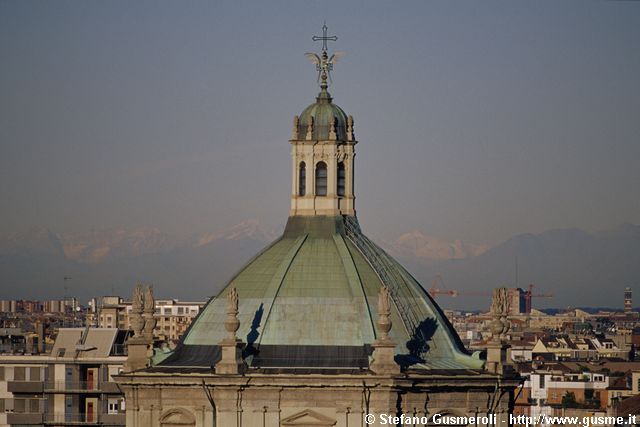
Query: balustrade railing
(72, 386)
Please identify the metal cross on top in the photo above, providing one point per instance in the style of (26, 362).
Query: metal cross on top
(324, 38)
(324, 62)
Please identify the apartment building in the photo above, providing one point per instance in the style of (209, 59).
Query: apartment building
(552, 386)
(174, 316)
(70, 386)
(578, 348)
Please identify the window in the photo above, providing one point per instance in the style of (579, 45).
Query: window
(321, 179)
(302, 179)
(341, 179)
(113, 406)
(541, 381)
(34, 406)
(19, 373)
(180, 310)
(34, 374)
(167, 310)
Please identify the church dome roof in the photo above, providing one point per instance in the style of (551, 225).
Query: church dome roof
(322, 113)
(310, 299)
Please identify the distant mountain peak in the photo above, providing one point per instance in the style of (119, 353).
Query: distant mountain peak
(248, 229)
(416, 243)
(34, 240)
(97, 245)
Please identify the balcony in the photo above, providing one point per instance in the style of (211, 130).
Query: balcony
(113, 419)
(25, 386)
(24, 418)
(72, 419)
(81, 387)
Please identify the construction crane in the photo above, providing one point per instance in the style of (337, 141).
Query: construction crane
(528, 295)
(437, 288)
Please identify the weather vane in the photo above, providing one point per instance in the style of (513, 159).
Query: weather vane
(324, 62)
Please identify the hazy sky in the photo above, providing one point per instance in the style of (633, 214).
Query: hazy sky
(476, 120)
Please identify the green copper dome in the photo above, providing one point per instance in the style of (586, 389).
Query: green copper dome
(323, 112)
(310, 300)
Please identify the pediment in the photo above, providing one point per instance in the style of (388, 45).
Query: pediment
(177, 417)
(308, 418)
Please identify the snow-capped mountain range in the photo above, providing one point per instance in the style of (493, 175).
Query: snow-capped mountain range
(34, 263)
(422, 246)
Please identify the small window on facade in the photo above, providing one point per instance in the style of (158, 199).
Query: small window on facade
(113, 406)
(341, 179)
(321, 179)
(302, 179)
(19, 373)
(34, 374)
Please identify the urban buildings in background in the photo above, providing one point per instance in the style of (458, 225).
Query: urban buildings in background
(573, 363)
(57, 358)
(174, 316)
(27, 324)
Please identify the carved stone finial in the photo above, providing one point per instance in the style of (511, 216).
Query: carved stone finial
(232, 323)
(140, 346)
(309, 135)
(497, 356)
(149, 300)
(231, 361)
(384, 347)
(136, 320)
(384, 311)
(332, 130)
(350, 134)
(296, 123)
(500, 311)
(149, 309)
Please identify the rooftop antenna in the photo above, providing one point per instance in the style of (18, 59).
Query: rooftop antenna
(66, 287)
(64, 302)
